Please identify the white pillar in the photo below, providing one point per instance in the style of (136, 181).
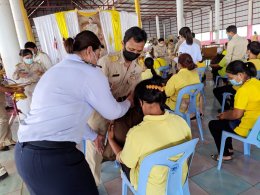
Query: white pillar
(250, 12)
(210, 21)
(18, 21)
(157, 27)
(180, 14)
(164, 31)
(217, 13)
(9, 45)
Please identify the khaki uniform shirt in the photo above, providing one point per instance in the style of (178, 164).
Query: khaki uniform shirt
(236, 48)
(122, 79)
(43, 59)
(160, 51)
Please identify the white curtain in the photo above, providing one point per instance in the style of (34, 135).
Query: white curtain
(72, 23)
(106, 25)
(128, 20)
(50, 37)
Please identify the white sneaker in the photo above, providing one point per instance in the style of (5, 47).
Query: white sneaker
(3, 173)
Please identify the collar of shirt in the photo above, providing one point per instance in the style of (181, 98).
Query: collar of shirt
(235, 36)
(156, 117)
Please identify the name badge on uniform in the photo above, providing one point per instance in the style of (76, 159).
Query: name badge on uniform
(115, 75)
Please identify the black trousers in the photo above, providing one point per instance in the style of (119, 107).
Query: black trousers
(216, 128)
(218, 93)
(62, 171)
(215, 74)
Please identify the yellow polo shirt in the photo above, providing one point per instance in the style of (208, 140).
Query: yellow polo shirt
(182, 79)
(153, 134)
(256, 62)
(147, 74)
(247, 98)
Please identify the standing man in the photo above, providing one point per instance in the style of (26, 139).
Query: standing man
(237, 46)
(160, 50)
(40, 57)
(123, 73)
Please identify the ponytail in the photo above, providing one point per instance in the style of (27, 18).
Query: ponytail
(68, 44)
(149, 62)
(82, 41)
(238, 66)
(186, 33)
(186, 61)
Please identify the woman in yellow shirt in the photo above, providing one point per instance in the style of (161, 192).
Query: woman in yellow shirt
(246, 106)
(149, 71)
(187, 75)
(159, 130)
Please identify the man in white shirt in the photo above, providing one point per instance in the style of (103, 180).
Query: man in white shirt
(39, 57)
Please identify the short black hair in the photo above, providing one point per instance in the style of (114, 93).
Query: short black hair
(137, 33)
(25, 52)
(193, 34)
(30, 45)
(171, 40)
(161, 39)
(254, 47)
(232, 29)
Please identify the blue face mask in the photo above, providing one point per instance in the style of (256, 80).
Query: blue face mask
(235, 83)
(28, 61)
(229, 37)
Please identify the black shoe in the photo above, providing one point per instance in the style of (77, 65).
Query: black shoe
(3, 173)
(5, 148)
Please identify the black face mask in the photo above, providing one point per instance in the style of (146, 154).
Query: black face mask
(130, 56)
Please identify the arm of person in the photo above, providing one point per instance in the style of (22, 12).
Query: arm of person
(240, 104)
(199, 56)
(170, 87)
(115, 147)
(4, 89)
(99, 96)
(16, 73)
(46, 61)
(230, 48)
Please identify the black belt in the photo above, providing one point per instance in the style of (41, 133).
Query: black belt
(50, 144)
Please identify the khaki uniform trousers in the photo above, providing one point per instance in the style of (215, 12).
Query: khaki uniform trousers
(5, 131)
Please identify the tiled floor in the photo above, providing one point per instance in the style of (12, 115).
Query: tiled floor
(240, 176)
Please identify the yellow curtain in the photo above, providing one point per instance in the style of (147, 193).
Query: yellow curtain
(138, 12)
(87, 14)
(116, 25)
(26, 21)
(61, 21)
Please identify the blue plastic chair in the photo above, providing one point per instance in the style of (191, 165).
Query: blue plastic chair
(162, 158)
(217, 80)
(225, 95)
(201, 72)
(192, 91)
(252, 138)
(165, 70)
(258, 74)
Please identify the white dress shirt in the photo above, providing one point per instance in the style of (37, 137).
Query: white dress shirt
(63, 100)
(193, 50)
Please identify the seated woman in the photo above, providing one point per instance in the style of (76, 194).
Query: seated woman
(186, 76)
(159, 130)
(246, 106)
(253, 49)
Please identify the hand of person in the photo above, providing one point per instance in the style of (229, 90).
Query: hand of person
(220, 116)
(99, 143)
(18, 90)
(39, 73)
(111, 133)
(23, 74)
(214, 66)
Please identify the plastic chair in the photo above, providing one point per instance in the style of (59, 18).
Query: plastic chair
(201, 72)
(192, 91)
(161, 158)
(258, 74)
(252, 138)
(217, 80)
(164, 70)
(225, 95)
